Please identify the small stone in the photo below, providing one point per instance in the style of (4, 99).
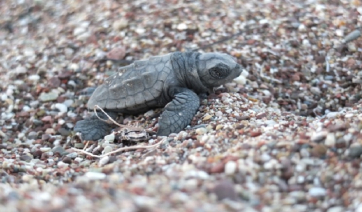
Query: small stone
(107, 149)
(78, 31)
(26, 158)
(117, 53)
(217, 168)
(317, 192)
(225, 190)
(140, 31)
(28, 52)
(201, 130)
(78, 145)
(255, 133)
(64, 132)
(103, 161)
(330, 140)
(46, 119)
(207, 117)
(61, 164)
(110, 137)
(58, 149)
(61, 107)
(230, 167)
(46, 97)
(68, 102)
(355, 150)
(319, 136)
(32, 135)
(34, 77)
(50, 131)
(241, 80)
(68, 52)
(120, 24)
(260, 115)
(319, 150)
(336, 209)
(95, 175)
(67, 160)
(219, 114)
(182, 26)
(219, 127)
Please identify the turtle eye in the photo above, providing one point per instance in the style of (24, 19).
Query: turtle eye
(220, 71)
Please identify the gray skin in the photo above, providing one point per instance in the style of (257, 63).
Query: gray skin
(173, 81)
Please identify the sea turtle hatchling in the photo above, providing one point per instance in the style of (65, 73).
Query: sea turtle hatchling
(173, 81)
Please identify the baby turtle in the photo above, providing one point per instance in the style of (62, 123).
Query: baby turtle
(173, 81)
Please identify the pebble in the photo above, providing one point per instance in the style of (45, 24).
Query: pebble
(330, 140)
(207, 117)
(68, 102)
(201, 130)
(318, 136)
(78, 31)
(355, 150)
(94, 175)
(117, 53)
(103, 161)
(230, 167)
(120, 24)
(319, 150)
(46, 97)
(225, 190)
(34, 77)
(110, 137)
(317, 192)
(107, 149)
(32, 135)
(219, 113)
(58, 149)
(61, 107)
(241, 80)
(181, 26)
(336, 209)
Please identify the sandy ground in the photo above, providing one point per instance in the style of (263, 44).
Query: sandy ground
(285, 137)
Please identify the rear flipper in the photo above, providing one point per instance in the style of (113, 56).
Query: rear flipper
(179, 112)
(93, 128)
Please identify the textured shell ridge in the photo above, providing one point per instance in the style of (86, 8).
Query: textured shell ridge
(140, 86)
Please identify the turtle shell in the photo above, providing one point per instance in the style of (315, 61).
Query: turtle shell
(137, 89)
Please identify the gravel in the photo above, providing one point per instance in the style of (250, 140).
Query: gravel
(284, 136)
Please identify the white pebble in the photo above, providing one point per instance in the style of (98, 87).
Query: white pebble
(61, 164)
(317, 192)
(95, 175)
(107, 149)
(109, 138)
(336, 209)
(140, 30)
(218, 113)
(318, 136)
(34, 77)
(103, 161)
(61, 107)
(330, 140)
(359, 208)
(182, 26)
(78, 31)
(241, 80)
(230, 167)
(332, 114)
(201, 130)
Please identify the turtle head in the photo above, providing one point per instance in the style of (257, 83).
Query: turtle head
(215, 69)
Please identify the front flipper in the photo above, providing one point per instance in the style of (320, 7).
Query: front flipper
(93, 128)
(179, 112)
